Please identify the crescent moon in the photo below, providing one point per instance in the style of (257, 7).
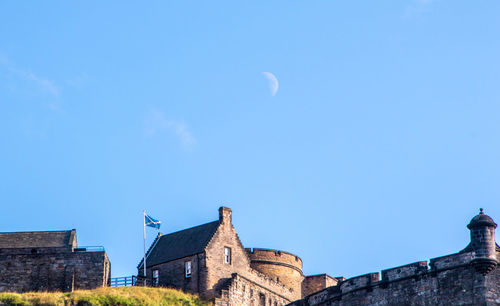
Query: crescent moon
(272, 81)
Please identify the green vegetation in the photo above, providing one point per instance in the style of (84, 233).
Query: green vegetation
(104, 296)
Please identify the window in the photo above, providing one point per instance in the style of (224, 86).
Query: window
(187, 268)
(156, 278)
(262, 299)
(227, 255)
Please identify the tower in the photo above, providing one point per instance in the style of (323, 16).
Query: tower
(482, 236)
(279, 265)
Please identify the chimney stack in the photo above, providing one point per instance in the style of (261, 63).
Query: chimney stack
(225, 215)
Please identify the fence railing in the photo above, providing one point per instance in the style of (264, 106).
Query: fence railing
(129, 281)
(126, 281)
(89, 249)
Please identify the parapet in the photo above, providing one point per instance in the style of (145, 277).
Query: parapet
(277, 257)
(404, 271)
(451, 261)
(360, 282)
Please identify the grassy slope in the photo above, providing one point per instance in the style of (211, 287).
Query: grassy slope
(104, 296)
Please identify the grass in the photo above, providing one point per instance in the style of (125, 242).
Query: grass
(104, 296)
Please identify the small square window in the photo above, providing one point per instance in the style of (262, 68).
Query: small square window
(156, 278)
(227, 255)
(187, 268)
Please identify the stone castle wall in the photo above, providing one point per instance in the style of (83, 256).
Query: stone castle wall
(271, 277)
(315, 283)
(448, 280)
(52, 269)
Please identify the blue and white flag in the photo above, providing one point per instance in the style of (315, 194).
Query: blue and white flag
(151, 222)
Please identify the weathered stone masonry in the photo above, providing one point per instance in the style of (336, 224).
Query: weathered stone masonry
(271, 277)
(248, 277)
(470, 277)
(49, 261)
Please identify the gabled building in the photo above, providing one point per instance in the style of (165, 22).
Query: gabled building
(210, 260)
(50, 261)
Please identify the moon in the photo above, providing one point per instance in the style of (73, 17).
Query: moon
(272, 82)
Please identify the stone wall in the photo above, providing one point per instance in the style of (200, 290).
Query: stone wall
(240, 290)
(52, 269)
(492, 284)
(90, 269)
(172, 274)
(315, 283)
(448, 280)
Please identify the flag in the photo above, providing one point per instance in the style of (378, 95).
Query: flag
(151, 222)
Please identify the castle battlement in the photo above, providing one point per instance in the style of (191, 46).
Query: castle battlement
(404, 271)
(414, 270)
(361, 281)
(469, 277)
(270, 256)
(451, 261)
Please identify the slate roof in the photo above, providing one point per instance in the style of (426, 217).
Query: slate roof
(180, 244)
(37, 239)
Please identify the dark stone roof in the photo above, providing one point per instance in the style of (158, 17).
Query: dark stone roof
(180, 244)
(481, 220)
(37, 239)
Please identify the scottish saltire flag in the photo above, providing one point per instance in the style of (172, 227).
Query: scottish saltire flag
(151, 222)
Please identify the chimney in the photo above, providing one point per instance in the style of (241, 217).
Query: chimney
(225, 215)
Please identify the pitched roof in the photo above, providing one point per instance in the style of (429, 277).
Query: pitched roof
(37, 239)
(180, 244)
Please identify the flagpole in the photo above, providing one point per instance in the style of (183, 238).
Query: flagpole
(144, 263)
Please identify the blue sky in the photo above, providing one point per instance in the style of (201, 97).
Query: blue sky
(380, 144)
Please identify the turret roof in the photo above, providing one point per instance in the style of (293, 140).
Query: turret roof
(481, 220)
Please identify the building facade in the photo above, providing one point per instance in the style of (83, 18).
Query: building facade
(210, 260)
(50, 261)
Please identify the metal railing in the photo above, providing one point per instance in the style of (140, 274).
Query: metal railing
(129, 281)
(126, 281)
(89, 249)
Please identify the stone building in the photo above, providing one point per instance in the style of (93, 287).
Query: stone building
(50, 261)
(469, 277)
(210, 260)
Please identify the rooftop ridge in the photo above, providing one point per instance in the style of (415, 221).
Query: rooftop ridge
(52, 231)
(186, 229)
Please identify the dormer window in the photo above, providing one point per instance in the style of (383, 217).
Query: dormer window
(187, 268)
(227, 255)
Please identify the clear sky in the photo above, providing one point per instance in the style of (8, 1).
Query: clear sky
(380, 144)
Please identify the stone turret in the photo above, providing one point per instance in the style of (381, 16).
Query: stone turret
(279, 265)
(482, 236)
